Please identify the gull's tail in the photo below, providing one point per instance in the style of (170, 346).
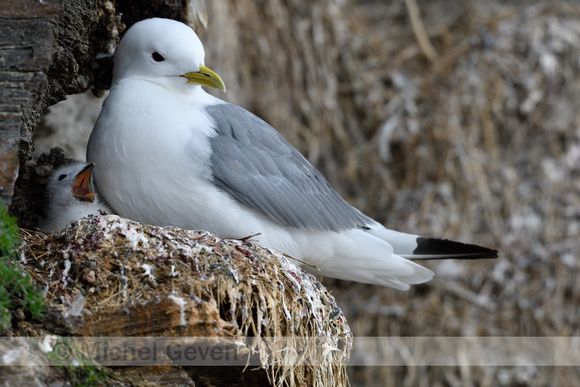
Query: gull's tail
(375, 255)
(417, 247)
(434, 248)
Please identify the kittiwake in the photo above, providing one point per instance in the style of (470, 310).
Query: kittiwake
(169, 154)
(71, 196)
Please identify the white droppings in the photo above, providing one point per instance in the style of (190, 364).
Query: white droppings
(198, 250)
(181, 302)
(285, 307)
(67, 265)
(135, 238)
(235, 274)
(148, 270)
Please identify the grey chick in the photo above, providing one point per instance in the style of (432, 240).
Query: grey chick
(71, 196)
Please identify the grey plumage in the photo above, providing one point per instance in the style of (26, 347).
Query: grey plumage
(252, 162)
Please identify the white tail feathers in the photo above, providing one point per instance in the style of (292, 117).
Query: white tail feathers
(356, 255)
(423, 248)
(380, 256)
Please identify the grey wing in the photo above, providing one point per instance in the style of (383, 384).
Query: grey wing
(253, 163)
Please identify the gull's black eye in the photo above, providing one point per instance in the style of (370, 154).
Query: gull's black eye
(62, 177)
(157, 57)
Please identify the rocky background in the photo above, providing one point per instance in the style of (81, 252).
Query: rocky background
(461, 122)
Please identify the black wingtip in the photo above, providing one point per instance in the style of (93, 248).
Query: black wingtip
(433, 248)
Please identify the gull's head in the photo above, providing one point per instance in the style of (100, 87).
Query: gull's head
(166, 52)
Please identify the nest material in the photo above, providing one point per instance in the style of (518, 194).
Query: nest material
(174, 282)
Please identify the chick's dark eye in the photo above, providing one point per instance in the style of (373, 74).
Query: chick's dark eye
(62, 177)
(157, 57)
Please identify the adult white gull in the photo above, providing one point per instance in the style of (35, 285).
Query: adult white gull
(168, 153)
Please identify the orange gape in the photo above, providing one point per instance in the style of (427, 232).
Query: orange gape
(83, 188)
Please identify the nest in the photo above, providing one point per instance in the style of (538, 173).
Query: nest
(163, 281)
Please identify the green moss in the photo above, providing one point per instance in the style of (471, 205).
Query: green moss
(15, 284)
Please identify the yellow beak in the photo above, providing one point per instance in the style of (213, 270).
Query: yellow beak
(205, 77)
